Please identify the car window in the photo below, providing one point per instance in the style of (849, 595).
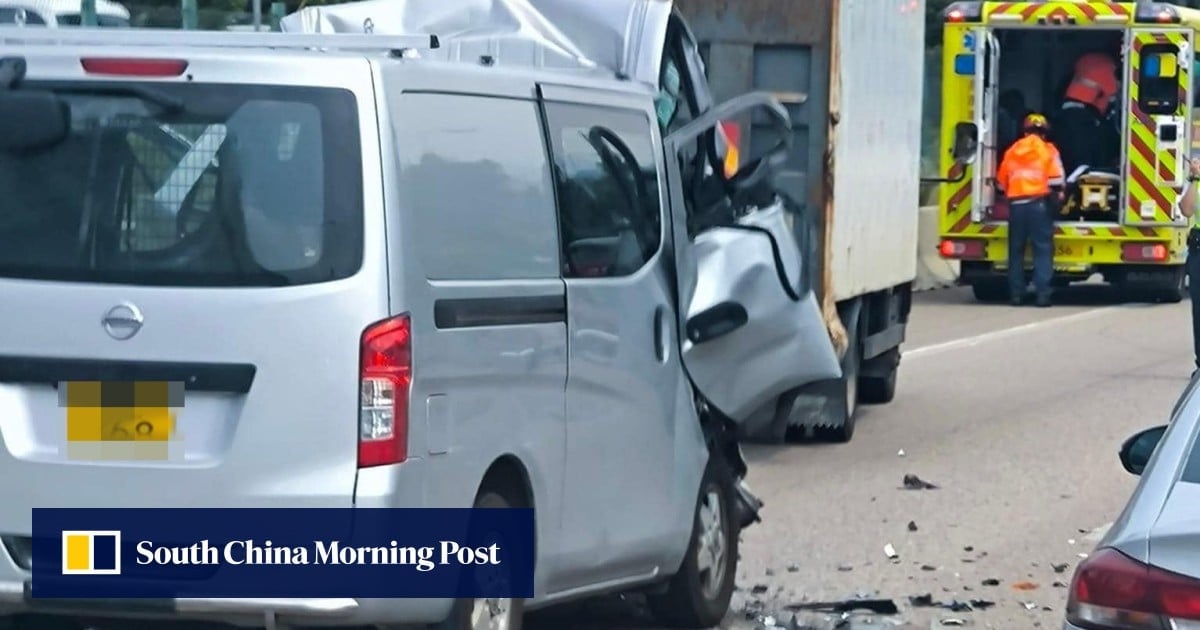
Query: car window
(75, 19)
(475, 174)
(610, 211)
(10, 15)
(234, 190)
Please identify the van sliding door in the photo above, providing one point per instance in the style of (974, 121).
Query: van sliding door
(1158, 133)
(987, 74)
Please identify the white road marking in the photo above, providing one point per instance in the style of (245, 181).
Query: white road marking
(968, 342)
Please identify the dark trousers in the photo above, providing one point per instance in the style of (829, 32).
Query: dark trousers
(1193, 271)
(1030, 221)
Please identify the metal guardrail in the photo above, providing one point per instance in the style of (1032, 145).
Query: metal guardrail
(26, 36)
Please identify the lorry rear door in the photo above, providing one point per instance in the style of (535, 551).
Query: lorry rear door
(1158, 136)
(987, 74)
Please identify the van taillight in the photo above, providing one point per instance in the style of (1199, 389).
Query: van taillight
(134, 67)
(1112, 590)
(384, 379)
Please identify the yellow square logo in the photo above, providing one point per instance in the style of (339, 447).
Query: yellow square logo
(91, 553)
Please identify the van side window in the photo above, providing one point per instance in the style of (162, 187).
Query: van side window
(610, 212)
(475, 175)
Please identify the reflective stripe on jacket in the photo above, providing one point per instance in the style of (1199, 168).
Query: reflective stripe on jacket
(1029, 168)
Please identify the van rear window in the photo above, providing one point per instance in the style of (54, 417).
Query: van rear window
(188, 185)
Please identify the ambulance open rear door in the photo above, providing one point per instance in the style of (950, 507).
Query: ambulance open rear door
(1158, 132)
(987, 74)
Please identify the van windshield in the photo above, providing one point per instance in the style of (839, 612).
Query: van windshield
(188, 185)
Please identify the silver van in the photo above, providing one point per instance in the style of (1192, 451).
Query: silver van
(392, 271)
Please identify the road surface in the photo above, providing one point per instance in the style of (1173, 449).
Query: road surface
(1016, 414)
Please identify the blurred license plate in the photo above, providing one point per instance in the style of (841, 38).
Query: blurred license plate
(127, 420)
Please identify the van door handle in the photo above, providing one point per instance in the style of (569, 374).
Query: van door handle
(660, 334)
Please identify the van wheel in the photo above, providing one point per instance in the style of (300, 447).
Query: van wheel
(698, 595)
(491, 613)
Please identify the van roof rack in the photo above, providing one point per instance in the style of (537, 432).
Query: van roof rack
(150, 37)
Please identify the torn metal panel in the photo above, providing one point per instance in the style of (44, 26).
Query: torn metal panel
(623, 37)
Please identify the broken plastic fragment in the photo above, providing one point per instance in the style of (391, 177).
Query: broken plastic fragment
(913, 482)
(912, 526)
(890, 551)
(1025, 586)
(877, 606)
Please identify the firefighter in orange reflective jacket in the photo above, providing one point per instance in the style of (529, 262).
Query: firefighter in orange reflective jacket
(1031, 176)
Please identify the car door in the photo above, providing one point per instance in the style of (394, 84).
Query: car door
(752, 326)
(623, 379)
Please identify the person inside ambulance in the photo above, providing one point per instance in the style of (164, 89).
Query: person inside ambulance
(1031, 176)
(1013, 111)
(1084, 132)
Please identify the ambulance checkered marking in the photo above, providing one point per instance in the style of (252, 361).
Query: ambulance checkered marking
(1034, 12)
(1146, 166)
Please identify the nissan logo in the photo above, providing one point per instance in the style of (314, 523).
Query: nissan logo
(122, 321)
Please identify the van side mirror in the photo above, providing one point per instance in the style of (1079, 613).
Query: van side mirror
(966, 141)
(1137, 450)
(32, 120)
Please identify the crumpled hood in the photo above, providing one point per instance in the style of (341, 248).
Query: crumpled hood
(622, 36)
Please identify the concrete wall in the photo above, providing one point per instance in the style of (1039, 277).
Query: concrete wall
(932, 271)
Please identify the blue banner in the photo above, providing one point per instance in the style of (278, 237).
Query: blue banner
(179, 552)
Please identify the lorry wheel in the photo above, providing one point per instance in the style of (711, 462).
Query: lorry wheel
(843, 397)
(881, 389)
(491, 613)
(698, 595)
(990, 290)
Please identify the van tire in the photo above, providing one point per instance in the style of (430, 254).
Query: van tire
(691, 600)
(461, 612)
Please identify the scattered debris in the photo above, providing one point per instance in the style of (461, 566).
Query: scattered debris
(890, 551)
(953, 621)
(1025, 586)
(913, 482)
(845, 567)
(912, 526)
(900, 453)
(759, 589)
(1060, 584)
(927, 601)
(793, 568)
(991, 582)
(770, 572)
(928, 567)
(1083, 555)
(1029, 605)
(968, 549)
(1070, 541)
(877, 606)
(1059, 568)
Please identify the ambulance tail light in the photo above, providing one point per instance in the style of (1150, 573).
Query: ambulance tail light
(961, 12)
(1155, 13)
(963, 249)
(1144, 252)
